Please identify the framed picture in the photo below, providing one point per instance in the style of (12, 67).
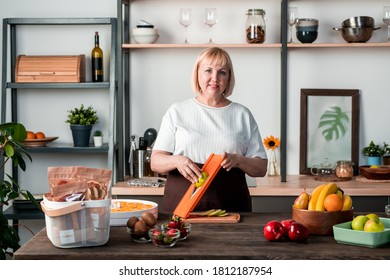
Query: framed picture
(329, 127)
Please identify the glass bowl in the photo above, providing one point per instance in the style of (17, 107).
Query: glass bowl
(164, 238)
(139, 237)
(184, 228)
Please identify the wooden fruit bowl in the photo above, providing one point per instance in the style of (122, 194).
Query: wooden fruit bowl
(321, 222)
(380, 173)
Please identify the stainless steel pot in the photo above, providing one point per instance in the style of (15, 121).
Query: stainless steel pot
(356, 34)
(359, 21)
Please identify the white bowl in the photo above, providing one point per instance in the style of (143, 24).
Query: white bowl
(145, 31)
(146, 39)
(120, 218)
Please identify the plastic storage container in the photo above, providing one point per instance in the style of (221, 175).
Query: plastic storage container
(77, 224)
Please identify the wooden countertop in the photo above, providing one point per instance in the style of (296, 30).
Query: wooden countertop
(243, 240)
(272, 186)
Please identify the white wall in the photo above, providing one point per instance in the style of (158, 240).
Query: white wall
(160, 77)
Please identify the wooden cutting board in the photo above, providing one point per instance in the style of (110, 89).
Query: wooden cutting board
(194, 218)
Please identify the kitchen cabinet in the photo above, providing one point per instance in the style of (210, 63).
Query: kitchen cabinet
(112, 148)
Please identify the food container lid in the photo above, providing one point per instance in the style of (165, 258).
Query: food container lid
(254, 12)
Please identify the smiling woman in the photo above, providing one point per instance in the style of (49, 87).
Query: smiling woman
(209, 123)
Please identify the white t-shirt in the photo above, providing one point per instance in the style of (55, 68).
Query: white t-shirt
(195, 130)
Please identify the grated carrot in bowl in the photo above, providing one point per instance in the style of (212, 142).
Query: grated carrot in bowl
(123, 206)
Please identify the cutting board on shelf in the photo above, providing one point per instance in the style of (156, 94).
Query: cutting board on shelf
(195, 218)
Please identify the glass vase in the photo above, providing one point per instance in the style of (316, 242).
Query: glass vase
(272, 165)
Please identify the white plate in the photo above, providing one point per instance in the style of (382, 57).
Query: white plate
(120, 218)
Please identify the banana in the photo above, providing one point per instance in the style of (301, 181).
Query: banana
(340, 193)
(347, 203)
(314, 197)
(328, 189)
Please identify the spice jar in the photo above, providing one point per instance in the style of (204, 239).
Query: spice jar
(255, 26)
(344, 169)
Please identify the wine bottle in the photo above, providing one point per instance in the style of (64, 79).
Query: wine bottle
(97, 61)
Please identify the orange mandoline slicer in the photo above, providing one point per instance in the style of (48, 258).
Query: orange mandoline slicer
(194, 194)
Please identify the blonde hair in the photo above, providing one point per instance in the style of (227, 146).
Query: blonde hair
(217, 57)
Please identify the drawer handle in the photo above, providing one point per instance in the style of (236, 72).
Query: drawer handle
(47, 73)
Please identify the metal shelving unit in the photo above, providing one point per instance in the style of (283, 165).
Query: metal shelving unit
(123, 70)
(113, 148)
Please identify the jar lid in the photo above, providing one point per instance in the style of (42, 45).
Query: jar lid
(345, 161)
(255, 12)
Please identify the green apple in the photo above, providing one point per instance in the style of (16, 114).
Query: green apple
(199, 183)
(374, 226)
(358, 222)
(373, 216)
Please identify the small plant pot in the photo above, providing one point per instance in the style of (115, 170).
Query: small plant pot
(98, 141)
(81, 134)
(374, 160)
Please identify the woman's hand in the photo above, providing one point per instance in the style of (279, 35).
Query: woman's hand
(254, 167)
(188, 168)
(163, 162)
(229, 161)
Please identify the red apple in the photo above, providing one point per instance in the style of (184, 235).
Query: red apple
(298, 232)
(287, 224)
(273, 231)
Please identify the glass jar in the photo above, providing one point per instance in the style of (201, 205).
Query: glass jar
(255, 26)
(344, 169)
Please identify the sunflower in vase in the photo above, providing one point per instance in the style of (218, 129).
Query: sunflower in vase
(272, 143)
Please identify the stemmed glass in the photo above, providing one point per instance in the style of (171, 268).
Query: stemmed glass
(386, 20)
(185, 19)
(210, 19)
(292, 19)
(387, 210)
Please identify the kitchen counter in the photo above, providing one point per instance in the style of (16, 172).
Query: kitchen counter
(272, 186)
(243, 240)
(272, 195)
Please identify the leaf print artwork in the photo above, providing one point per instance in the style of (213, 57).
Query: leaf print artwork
(334, 123)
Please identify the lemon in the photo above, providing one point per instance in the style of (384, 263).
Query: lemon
(374, 166)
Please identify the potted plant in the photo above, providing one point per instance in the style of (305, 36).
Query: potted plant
(375, 152)
(98, 138)
(11, 134)
(81, 121)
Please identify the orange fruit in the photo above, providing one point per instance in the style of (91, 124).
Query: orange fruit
(40, 135)
(333, 202)
(30, 135)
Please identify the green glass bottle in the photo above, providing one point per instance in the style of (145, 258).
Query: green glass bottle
(97, 61)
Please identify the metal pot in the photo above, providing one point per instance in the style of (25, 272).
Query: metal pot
(359, 21)
(356, 34)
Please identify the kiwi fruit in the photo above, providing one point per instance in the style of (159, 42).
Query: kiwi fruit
(131, 222)
(149, 219)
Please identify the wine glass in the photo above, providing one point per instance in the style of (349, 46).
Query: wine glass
(386, 20)
(210, 19)
(185, 19)
(387, 210)
(292, 19)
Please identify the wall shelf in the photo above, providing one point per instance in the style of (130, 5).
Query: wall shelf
(194, 46)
